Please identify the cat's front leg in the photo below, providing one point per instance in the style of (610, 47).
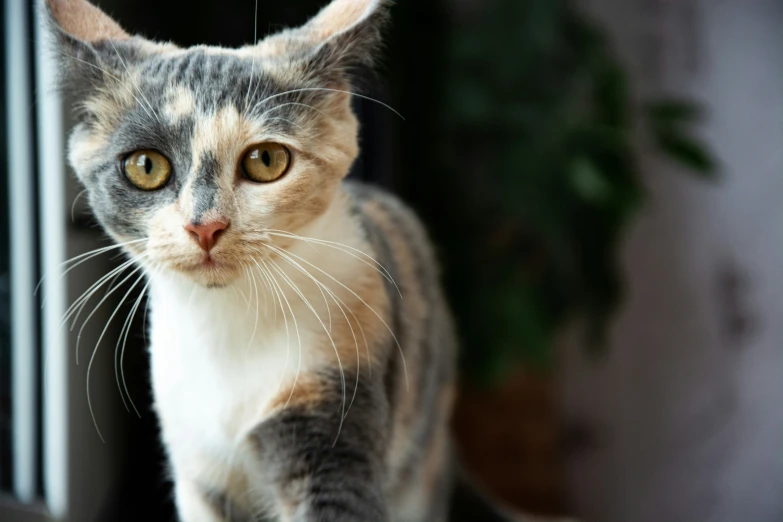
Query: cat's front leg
(326, 460)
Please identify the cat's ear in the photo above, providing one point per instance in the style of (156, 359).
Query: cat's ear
(79, 20)
(343, 37)
(89, 44)
(79, 28)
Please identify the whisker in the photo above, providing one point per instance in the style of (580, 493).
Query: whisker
(73, 205)
(247, 301)
(287, 332)
(308, 89)
(297, 104)
(107, 73)
(129, 322)
(95, 351)
(339, 303)
(144, 324)
(88, 255)
(273, 280)
(130, 76)
(192, 293)
(288, 121)
(244, 269)
(111, 283)
(125, 326)
(399, 347)
(253, 64)
(87, 294)
(94, 310)
(255, 324)
(343, 248)
(82, 303)
(328, 310)
(329, 335)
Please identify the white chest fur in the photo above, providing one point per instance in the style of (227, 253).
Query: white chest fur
(218, 361)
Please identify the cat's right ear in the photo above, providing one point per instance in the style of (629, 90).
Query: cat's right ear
(81, 32)
(80, 21)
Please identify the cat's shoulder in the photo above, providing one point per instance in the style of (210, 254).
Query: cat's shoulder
(385, 213)
(364, 195)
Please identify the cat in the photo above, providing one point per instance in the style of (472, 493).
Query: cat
(303, 356)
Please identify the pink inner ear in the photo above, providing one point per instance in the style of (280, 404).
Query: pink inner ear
(84, 21)
(339, 16)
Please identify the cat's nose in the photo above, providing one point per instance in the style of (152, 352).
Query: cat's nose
(206, 234)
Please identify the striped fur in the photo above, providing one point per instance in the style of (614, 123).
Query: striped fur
(307, 372)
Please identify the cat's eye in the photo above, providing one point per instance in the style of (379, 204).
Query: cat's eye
(266, 162)
(146, 169)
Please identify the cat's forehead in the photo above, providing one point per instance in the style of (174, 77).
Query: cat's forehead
(209, 78)
(191, 102)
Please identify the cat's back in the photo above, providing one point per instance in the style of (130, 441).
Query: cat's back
(387, 219)
(401, 244)
(422, 399)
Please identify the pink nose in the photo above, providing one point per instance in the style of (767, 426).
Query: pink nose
(206, 234)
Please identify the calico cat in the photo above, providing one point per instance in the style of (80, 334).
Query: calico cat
(303, 358)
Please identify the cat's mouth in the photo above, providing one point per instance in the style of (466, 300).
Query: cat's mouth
(208, 262)
(210, 270)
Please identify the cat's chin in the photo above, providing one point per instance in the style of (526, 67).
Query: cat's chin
(211, 273)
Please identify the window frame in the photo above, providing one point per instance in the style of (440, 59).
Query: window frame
(37, 238)
(23, 261)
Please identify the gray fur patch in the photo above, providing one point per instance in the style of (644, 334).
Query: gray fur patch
(205, 187)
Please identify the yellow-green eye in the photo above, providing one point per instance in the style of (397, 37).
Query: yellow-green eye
(147, 169)
(266, 162)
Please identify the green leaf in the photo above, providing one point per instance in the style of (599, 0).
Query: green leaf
(588, 182)
(612, 93)
(688, 153)
(673, 112)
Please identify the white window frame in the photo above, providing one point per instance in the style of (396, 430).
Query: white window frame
(22, 97)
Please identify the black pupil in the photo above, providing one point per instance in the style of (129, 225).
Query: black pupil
(266, 158)
(147, 164)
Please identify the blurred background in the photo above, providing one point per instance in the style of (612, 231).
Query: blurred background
(602, 179)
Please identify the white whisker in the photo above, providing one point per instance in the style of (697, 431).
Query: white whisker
(280, 292)
(95, 350)
(88, 255)
(73, 205)
(255, 323)
(107, 73)
(81, 303)
(87, 294)
(343, 248)
(339, 302)
(296, 104)
(130, 76)
(122, 352)
(94, 310)
(326, 303)
(391, 332)
(287, 331)
(253, 63)
(329, 335)
(288, 121)
(309, 89)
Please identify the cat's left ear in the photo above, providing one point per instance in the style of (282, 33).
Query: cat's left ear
(343, 37)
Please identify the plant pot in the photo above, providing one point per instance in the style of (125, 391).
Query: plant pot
(509, 438)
